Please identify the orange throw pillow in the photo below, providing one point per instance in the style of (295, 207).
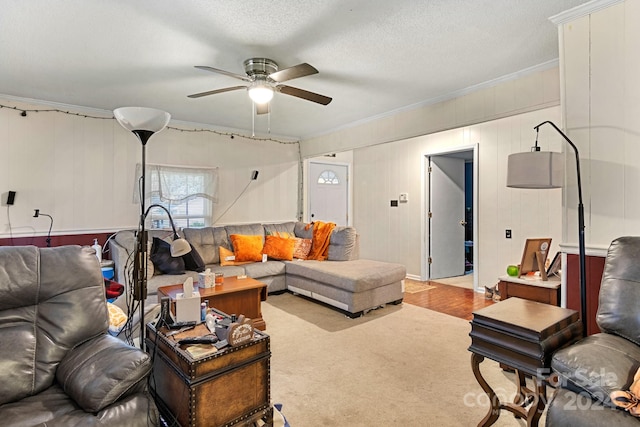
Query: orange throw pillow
(302, 248)
(225, 254)
(279, 247)
(247, 248)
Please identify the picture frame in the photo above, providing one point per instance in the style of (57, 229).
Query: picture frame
(556, 265)
(534, 257)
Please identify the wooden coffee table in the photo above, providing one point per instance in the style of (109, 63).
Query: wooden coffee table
(233, 296)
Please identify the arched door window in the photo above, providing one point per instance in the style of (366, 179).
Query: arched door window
(329, 178)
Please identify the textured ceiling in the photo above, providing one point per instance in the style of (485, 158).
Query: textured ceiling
(374, 56)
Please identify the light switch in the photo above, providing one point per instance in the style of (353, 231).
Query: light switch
(403, 198)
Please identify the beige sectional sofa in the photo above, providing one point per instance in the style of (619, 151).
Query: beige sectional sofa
(343, 281)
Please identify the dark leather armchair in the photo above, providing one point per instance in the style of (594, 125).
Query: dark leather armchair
(599, 364)
(58, 366)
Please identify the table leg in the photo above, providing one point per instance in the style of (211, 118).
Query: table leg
(494, 410)
(533, 398)
(538, 403)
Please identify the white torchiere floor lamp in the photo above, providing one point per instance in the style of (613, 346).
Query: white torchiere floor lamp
(144, 122)
(544, 169)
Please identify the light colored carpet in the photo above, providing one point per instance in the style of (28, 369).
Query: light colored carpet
(465, 281)
(397, 366)
(412, 287)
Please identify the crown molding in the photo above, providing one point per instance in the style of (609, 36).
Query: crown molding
(446, 97)
(582, 10)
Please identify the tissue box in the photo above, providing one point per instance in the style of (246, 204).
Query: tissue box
(188, 308)
(206, 280)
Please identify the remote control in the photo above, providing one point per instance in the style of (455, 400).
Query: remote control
(180, 325)
(198, 340)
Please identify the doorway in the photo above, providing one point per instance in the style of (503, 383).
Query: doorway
(328, 192)
(450, 214)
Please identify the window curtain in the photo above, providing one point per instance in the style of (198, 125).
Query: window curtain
(177, 184)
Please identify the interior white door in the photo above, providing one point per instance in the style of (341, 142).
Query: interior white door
(447, 216)
(328, 192)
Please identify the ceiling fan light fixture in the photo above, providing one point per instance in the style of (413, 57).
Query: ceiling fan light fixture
(260, 93)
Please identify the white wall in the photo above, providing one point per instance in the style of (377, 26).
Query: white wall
(81, 171)
(388, 154)
(601, 99)
(383, 171)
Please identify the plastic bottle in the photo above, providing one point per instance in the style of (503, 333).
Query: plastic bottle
(98, 249)
(203, 311)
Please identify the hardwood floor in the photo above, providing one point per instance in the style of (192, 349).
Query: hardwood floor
(447, 299)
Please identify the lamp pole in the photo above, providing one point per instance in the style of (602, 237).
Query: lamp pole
(581, 245)
(143, 122)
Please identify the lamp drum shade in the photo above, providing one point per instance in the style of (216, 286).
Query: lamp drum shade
(535, 169)
(141, 118)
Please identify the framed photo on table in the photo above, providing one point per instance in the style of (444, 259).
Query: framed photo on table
(534, 257)
(555, 268)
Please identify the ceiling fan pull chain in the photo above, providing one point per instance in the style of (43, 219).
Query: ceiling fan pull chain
(253, 120)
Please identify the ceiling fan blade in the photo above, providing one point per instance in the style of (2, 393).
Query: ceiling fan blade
(294, 72)
(226, 73)
(304, 94)
(263, 108)
(213, 92)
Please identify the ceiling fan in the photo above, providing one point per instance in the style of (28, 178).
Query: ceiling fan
(264, 78)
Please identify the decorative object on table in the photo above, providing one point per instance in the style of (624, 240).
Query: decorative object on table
(513, 271)
(143, 123)
(236, 333)
(36, 214)
(534, 257)
(206, 279)
(555, 266)
(538, 169)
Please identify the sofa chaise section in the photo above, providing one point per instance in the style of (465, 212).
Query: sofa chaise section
(354, 286)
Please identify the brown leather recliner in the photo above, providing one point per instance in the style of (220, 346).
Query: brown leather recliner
(599, 364)
(58, 366)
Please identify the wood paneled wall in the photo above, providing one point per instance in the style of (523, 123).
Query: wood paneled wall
(81, 171)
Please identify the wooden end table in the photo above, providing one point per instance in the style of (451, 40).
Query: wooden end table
(233, 296)
(522, 335)
(216, 388)
(535, 289)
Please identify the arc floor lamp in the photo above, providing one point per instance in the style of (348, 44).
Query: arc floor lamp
(144, 122)
(544, 169)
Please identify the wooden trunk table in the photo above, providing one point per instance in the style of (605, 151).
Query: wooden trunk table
(522, 335)
(233, 296)
(223, 388)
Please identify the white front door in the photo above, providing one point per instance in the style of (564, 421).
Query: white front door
(447, 217)
(328, 192)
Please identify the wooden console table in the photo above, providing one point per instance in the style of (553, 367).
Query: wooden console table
(233, 296)
(535, 289)
(522, 335)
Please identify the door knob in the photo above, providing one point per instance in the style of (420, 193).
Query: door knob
(463, 223)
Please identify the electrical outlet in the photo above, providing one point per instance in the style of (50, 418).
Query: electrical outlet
(507, 233)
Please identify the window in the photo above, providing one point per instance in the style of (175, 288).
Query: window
(188, 193)
(328, 177)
